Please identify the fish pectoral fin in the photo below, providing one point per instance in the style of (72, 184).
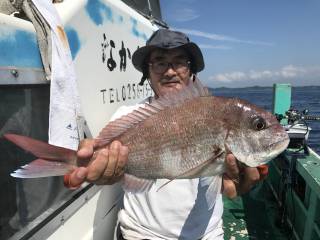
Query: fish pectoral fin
(43, 168)
(134, 184)
(213, 190)
(196, 169)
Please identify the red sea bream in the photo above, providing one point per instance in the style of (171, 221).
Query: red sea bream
(181, 135)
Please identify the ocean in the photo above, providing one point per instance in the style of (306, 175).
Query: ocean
(302, 98)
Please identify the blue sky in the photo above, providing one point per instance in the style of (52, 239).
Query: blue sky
(252, 42)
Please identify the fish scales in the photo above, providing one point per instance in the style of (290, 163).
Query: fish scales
(174, 140)
(177, 136)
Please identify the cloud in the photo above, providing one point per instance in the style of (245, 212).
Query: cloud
(285, 73)
(291, 71)
(229, 77)
(184, 14)
(219, 37)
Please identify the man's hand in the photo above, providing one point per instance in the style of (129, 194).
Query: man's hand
(104, 166)
(236, 180)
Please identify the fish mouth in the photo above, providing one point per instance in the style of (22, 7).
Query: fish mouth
(283, 143)
(277, 148)
(270, 151)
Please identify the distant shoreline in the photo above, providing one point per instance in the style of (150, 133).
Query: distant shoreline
(259, 87)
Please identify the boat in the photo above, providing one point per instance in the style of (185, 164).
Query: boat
(102, 35)
(286, 204)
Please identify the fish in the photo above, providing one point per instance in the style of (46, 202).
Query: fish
(182, 135)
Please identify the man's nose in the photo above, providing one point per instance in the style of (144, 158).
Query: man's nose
(170, 71)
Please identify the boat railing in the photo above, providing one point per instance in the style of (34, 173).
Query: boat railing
(295, 175)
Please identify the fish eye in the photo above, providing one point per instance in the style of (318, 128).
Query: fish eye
(258, 123)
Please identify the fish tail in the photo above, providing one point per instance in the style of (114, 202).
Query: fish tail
(53, 160)
(41, 149)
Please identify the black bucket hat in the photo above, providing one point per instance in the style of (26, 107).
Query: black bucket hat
(168, 39)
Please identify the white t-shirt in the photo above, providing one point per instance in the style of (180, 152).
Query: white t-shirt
(177, 211)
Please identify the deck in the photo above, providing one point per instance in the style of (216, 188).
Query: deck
(285, 206)
(254, 216)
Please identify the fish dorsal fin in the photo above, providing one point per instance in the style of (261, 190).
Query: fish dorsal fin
(174, 98)
(117, 127)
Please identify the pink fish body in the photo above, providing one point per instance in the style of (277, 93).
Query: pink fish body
(182, 135)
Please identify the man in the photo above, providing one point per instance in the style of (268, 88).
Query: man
(170, 61)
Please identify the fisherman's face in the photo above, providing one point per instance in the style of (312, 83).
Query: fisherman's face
(169, 70)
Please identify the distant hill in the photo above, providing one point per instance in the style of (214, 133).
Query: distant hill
(262, 87)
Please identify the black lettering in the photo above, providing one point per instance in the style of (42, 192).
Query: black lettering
(117, 95)
(123, 57)
(134, 90)
(103, 91)
(129, 90)
(129, 53)
(123, 93)
(104, 46)
(124, 53)
(138, 91)
(111, 64)
(111, 92)
(147, 89)
(112, 44)
(143, 87)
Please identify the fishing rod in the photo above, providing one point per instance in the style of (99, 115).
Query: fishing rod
(294, 116)
(298, 128)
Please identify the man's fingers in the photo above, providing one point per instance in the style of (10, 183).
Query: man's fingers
(98, 165)
(85, 152)
(118, 155)
(239, 179)
(263, 171)
(76, 178)
(251, 177)
(123, 157)
(104, 166)
(232, 169)
(113, 158)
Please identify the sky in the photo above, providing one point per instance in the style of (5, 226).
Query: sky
(251, 42)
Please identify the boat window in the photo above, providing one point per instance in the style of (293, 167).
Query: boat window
(25, 202)
(146, 7)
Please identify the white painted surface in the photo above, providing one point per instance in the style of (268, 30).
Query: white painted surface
(90, 222)
(102, 91)
(99, 102)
